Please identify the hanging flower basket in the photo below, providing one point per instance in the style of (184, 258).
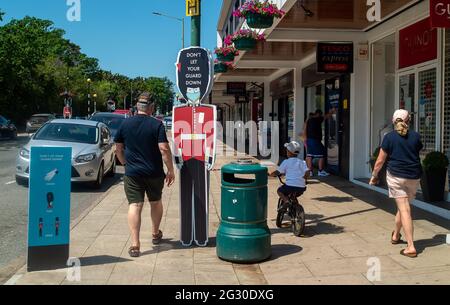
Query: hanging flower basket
(244, 40)
(226, 53)
(245, 43)
(222, 66)
(229, 57)
(259, 21)
(259, 14)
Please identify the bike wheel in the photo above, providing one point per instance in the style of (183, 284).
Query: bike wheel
(298, 220)
(280, 214)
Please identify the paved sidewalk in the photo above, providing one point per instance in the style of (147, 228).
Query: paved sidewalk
(346, 226)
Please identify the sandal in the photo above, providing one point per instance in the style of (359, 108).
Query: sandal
(157, 238)
(398, 241)
(134, 251)
(410, 255)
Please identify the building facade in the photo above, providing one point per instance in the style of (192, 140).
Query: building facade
(398, 62)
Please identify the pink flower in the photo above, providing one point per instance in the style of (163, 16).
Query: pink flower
(258, 7)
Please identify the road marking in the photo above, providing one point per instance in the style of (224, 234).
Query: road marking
(10, 182)
(13, 280)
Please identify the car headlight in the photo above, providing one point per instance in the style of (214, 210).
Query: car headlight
(28, 124)
(24, 153)
(85, 158)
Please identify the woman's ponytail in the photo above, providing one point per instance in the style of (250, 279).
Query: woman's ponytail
(401, 127)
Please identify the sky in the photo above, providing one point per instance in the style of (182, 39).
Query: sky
(124, 34)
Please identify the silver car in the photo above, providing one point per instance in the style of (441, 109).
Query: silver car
(93, 150)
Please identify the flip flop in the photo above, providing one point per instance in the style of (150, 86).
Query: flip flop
(410, 255)
(398, 241)
(134, 251)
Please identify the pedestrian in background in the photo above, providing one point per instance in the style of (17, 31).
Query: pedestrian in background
(314, 147)
(142, 146)
(400, 149)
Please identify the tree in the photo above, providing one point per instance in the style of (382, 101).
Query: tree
(37, 64)
(162, 91)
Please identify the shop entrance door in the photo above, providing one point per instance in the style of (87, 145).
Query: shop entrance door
(418, 95)
(280, 109)
(337, 125)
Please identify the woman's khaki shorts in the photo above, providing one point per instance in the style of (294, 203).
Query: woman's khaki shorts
(402, 188)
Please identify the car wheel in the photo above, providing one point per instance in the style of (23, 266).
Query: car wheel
(21, 181)
(112, 171)
(98, 183)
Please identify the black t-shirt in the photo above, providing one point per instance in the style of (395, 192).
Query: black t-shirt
(403, 154)
(314, 128)
(141, 135)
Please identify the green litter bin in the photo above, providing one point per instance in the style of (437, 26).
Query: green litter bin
(243, 235)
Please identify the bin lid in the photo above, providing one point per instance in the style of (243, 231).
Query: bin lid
(244, 167)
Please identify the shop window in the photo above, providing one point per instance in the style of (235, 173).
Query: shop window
(446, 130)
(383, 88)
(427, 110)
(315, 99)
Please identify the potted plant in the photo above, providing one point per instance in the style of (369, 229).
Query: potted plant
(244, 40)
(226, 53)
(259, 14)
(382, 173)
(435, 167)
(222, 66)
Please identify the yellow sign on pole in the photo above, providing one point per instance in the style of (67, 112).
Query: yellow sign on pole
(192, 8)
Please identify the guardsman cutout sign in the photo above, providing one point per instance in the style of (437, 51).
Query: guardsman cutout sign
(194, 143)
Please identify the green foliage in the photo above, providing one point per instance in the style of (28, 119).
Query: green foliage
(435, 161)
(37, 64)
(1, 15)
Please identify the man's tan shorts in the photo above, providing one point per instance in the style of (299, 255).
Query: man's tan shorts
(401, 187)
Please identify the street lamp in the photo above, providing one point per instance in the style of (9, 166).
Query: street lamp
(174, 18)
(89, 95)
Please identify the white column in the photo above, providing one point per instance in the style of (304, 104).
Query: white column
(267, 101)
(359, 120)
(299, 106)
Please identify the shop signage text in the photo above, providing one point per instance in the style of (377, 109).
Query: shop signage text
(195, 73)
(418, 44)
(237, 88)
(334, 57)
(440, 13)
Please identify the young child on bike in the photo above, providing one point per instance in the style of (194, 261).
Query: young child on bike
(295, 170)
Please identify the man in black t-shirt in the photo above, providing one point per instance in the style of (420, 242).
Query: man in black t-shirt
(142, 146)
(314, 146)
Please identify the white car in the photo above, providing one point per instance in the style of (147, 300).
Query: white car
(93, 150)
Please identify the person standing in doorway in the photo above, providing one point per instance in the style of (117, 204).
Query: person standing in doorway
(314, 147)
(400, 149)
(142, 146)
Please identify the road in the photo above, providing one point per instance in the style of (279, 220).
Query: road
(14, 202)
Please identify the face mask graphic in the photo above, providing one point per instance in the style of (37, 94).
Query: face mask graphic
(193, 94)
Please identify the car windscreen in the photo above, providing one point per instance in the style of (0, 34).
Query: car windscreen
(113, 122)
(2, 120)
(68, 133)
(39, 119)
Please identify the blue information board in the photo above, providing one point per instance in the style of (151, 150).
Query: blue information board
(49, 196)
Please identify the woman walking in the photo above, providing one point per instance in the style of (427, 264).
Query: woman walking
(400, 149)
